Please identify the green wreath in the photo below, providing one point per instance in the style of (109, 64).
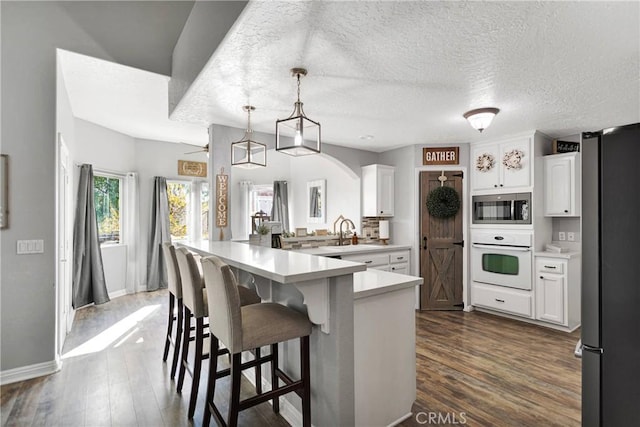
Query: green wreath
(443, 202)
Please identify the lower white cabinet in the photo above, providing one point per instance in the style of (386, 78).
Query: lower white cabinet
(509, 300)
(396, 262)
(557, 289)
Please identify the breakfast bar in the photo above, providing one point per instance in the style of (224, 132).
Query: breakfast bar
(348, 305)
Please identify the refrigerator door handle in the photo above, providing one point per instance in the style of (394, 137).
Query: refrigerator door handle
(592, 349)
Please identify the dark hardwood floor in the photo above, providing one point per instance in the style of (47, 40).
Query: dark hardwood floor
(484, 370)
(473, 368)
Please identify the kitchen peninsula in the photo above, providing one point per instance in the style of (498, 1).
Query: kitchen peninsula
(350, 308)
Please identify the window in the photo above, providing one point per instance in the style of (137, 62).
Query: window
(179, 194)
(106, 193)
(261, 199)
(188, 210)
(204, 210)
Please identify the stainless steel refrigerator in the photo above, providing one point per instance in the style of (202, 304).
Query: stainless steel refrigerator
(611, 277)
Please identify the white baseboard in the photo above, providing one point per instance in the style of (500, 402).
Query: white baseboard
(28, 372)
(118, 293)
(401, 419)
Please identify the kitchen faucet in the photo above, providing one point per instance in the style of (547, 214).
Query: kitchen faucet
(353, 227)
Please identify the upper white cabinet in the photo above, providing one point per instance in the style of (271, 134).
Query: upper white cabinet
(562, 185)
(503, 165)
(377, 190)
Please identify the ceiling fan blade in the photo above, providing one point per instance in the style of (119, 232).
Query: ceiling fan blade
(204, 149)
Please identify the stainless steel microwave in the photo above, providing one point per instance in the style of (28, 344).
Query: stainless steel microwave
(510, 208)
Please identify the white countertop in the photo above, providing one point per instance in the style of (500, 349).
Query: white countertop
(275, 264)
(376, 282)
(565, 255)
(351, 249)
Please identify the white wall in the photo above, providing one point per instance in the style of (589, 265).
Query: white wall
(103, 148)
(342, 187)
(31, 32)
(156, 158)
(107, 151)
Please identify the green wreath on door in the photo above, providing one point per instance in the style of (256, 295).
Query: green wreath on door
(443, 202)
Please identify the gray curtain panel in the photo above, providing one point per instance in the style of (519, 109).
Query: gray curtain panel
(89, 285)
(280, 209)
(156, 270)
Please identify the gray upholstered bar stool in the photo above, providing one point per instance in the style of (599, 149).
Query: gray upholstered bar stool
(175, 300)
(194, 297)
(242, 328)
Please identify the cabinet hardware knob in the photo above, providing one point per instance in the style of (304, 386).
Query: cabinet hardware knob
(499, 300)
(495, 185)
(542, 277)
(400, 257)
(501, 185)
(566, 211)
(550, 266)
(424, 240)
(368, 262)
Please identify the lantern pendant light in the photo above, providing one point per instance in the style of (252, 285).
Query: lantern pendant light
(298, 135)
(247, 153)
(481, 118)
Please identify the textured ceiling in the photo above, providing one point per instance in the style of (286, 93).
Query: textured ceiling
(405, 72)
(125, 99)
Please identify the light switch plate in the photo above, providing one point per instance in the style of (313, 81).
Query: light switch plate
(25, 247)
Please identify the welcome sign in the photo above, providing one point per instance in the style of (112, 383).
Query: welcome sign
(222, 193)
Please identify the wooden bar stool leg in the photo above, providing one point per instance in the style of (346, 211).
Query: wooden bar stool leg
(197, 366)
(179, 332)
(234, 398)
(167, 341)
(305, 371)
(211, 382)
(274, 377)
(185, 348)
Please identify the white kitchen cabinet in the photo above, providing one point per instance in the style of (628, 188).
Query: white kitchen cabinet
(503, 165)
(377, 190)
(562, 185)
(396, 262)
(557, 290)
(399, 262)
(509, 300)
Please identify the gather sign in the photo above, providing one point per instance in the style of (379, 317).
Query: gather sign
(440, 156)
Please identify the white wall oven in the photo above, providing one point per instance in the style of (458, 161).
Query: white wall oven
(510, 208)
(502, 258)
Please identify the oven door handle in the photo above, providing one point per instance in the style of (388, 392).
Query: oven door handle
(501, 248)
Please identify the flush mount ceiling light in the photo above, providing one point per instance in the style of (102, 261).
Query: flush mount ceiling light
(298, 135)
(481, 118)
(247, 153)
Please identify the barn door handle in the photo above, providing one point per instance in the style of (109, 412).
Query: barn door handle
(459, 243)
(424, 241)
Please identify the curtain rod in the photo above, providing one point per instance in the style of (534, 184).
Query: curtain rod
(105, 171)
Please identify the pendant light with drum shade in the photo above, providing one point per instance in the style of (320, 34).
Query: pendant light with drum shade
(481, 118)
(298, 135)
(248, 153)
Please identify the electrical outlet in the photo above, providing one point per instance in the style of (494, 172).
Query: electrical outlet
(562, 236)
(571, 236)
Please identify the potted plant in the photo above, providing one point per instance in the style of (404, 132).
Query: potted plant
(263, 232)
